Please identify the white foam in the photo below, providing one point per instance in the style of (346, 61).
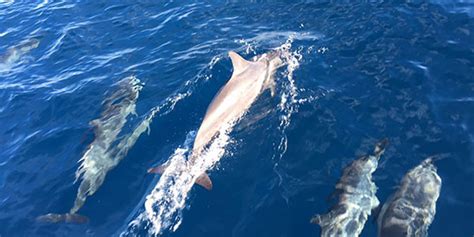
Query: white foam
(288, 102)
(164, 205)
(274, 36)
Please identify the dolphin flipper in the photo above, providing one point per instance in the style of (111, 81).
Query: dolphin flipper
(63, 218)
(203, 180)
(157, 169)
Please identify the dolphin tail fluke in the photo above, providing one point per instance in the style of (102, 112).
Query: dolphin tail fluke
(204, 181)
(70, 218)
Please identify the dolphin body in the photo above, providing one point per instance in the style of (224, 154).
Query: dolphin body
(14, 53)
(411, 209)
(100, 157)
(356, 199)
(249, 79)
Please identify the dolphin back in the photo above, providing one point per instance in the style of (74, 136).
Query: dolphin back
(357, 198)
(411, 209)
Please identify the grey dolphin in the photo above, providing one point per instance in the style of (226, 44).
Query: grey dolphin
(14, 53)
(411, 209)
(101, 156)
(249, 79)
(356, 199)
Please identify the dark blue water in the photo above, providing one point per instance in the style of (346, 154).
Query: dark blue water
(360, 72)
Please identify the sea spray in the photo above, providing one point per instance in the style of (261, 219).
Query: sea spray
(163, 206)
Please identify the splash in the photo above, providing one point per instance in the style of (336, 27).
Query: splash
(249, 47)
(289, 101)
(274, 38)
(163, 206)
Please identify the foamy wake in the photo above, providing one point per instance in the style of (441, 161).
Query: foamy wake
(163, 206)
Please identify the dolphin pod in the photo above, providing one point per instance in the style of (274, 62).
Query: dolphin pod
(249, 79)
(411, 209)
(408, 212)
(356, 199)
(100, 157)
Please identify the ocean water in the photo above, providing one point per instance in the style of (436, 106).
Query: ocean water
(353, 74)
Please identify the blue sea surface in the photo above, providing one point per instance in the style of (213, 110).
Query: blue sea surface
(354, 74)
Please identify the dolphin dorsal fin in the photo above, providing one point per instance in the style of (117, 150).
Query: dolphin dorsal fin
(238, 63)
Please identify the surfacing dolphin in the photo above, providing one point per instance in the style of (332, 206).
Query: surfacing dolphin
(356, 197)
(249, 79)
(411, 209)
(14, 53)
(101, 155)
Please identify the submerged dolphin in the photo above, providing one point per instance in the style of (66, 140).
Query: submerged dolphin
(14, 53)
(100, 157)
(249, 79)
(356, 199)
(410, 211)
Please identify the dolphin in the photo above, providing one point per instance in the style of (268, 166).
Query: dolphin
(100, 156)
(411, 209)
(356, 197)
(14, 53)
(249, 79)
